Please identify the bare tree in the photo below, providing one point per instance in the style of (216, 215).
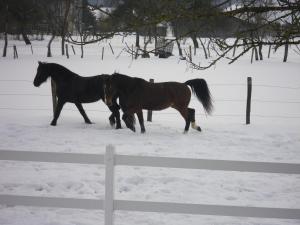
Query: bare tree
(252, 23)
(5, 31)
(66, 4)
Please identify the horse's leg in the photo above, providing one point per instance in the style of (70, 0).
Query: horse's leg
(59, 107)
(115, 116)
(82, 112)
(141, 120)
(112, 119)
(185, 114)
(129, 121)
(192, 119)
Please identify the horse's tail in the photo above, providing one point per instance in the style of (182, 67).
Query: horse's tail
(200, 89)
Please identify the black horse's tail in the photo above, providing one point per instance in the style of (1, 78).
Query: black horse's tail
(200, 89)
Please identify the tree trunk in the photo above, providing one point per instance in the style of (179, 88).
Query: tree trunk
(195, 42)
(63, 45)
(204, 49)
(137, 40)
(25, 37)
(269, 51)
(255, 53)
(49, 54)
(155, 40)
(81, 46)
(5, 45)
(5, 33)
(65, 26)
(179, 47)
(286, 51)
(208, 48)
(260, 51)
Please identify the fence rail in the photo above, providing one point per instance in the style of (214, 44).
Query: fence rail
(152, 161)
(109, 204)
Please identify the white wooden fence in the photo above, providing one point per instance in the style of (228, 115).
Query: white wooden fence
(109, 204)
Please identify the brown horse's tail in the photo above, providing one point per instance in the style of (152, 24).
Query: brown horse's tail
(200, 89)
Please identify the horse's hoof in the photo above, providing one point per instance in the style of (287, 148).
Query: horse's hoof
(199, 129)
(118, 127)
(53, 124)
(88, 122)
(132, 128)
(143, 131)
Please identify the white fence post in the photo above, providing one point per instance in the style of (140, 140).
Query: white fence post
(109, 185)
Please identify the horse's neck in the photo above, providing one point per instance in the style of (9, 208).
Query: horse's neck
(127, 84)
(60, 74)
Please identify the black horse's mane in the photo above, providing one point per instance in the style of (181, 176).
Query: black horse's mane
(127, 83)
(125, 78)
(59, 69)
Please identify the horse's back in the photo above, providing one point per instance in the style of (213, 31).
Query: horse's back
(84, 89)
(158, 96)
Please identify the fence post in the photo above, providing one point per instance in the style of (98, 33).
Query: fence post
(111, 49)
(190, 50)
(132, 52)
(109, 185)
(15, 52)
(149, 113)
(269, 51)
(73, 50)
(249, 92)
(31, 49)
(54, 99)
(102, 53)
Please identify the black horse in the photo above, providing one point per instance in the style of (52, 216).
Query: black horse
(70, 87)
(136, 94)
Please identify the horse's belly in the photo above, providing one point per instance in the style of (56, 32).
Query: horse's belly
(88, 99)
(153, 106)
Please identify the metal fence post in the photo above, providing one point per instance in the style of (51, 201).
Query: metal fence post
(15, 52)
(149, 113)
(109, 185)
(102, 56)
(54, 98)
(249, 92)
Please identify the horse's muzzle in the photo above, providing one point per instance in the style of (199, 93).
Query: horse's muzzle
(36, 84)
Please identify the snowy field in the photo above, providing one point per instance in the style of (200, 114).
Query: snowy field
(272, 136)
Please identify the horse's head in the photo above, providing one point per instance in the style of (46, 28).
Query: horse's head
(43, 72)
(110, 90)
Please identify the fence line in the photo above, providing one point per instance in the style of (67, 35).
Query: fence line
(35, 201)
(161, 113)
(109, 204)
(149, 206)
(57, 157)
(205, 209)
(211, 84)
(220, 100)
(215, 100)
(152, 161)
(31, 81)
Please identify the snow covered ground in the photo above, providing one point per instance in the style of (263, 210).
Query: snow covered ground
(273, 136)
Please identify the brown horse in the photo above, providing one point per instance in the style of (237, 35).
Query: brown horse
(136, 94)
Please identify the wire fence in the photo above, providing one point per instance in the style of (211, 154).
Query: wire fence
(262, 101)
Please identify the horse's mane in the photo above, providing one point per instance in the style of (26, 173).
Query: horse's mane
(126, 78)
(127, 82)
(59, 69)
